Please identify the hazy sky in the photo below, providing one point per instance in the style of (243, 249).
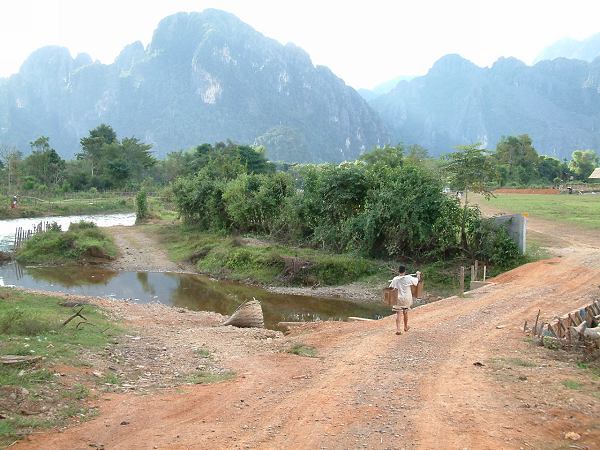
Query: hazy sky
(363, 42)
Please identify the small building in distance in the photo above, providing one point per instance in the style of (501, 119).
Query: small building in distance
(595, 174)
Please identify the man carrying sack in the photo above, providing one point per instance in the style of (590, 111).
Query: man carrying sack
(402, 284)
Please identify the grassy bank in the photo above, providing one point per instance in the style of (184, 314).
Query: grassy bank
(580, 210)
(33, 395)
(253, 260)
(33, 207)
(83, 241)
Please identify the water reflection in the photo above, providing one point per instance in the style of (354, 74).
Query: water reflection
(185, 290)
(66, 277)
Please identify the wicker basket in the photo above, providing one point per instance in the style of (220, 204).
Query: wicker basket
(247, 315)
(390, 296)
(418, 290)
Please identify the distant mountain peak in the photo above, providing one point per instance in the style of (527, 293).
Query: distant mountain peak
(205, 77)
(453, 64)
(556, 102)
(585, 49)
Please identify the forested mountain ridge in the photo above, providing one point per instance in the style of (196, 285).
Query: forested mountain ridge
(556, 102)
(204, 77)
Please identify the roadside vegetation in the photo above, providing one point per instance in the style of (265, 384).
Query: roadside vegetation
(337, 222)
(385, 207)
(82, 242)
(33, 394)
(265, 262)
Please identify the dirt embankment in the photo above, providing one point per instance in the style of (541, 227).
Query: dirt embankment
(369, 388)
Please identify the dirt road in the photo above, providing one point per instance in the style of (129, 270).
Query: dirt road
(140, 251)
(369, 388)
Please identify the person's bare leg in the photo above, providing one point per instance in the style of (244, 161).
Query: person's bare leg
(405, 313)
(398, 330)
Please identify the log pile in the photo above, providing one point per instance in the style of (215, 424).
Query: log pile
(581, 326)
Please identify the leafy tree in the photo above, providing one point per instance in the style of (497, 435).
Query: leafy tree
(405, 215)
(416, 154)
(332, 194)
(583, 163)
(199, 200)
(11, 160)
(255, 202)
(385, 156)
(138, 158)
(551, 169)
(229, 159)
(112, 162)
(44, 164)
(92, 146)
(469, 169)
(519, 156)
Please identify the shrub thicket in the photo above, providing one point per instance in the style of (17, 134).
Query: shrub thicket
(371, 208)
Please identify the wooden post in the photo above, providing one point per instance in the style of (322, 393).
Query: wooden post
(476, 271)
(461, 279)
(484, 272)
(472, 273)
(535, 332)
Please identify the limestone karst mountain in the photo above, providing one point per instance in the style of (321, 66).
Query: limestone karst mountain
(556, 102)
(204, 77)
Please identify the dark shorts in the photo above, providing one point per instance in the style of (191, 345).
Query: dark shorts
(400, 308)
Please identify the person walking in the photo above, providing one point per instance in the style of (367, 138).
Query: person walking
(402, 284)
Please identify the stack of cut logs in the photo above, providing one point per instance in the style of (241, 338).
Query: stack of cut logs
(580, 325)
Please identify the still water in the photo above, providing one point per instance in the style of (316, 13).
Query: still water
(8, 227)
(191, 291)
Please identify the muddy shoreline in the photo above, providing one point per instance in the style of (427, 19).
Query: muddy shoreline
(139, 251)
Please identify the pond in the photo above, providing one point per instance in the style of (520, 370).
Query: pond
(190, 291)
(8, 227)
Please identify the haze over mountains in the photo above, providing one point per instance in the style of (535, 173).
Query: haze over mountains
(556, 102)
(586, 49)
(208, 77)
(204, 77)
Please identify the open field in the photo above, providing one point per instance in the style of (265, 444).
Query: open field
(34, 207)
(579, 210)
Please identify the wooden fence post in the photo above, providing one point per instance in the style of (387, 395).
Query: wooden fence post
(462, 279)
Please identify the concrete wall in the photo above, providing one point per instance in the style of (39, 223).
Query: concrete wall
(516, 225)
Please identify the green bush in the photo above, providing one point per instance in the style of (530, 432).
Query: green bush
(368, 208)
(491, 243)
(141, 206)
(84, 240)
(81, 225)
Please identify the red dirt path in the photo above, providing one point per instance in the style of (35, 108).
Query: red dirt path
(372, 389)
